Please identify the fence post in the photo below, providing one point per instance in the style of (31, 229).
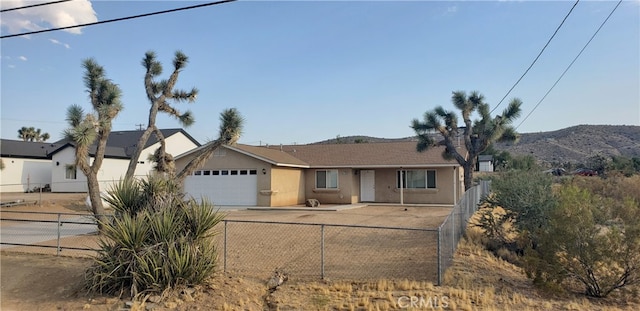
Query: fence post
(58, 242)
(454, 232)
(439, 256)
(224, 256)
(322, 251)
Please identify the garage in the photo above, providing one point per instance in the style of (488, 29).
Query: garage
(225, 186)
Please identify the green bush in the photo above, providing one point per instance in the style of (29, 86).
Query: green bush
(527, 197)
(590, 239)
(155, 241)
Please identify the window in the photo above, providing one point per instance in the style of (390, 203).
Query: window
(220, 152)
(243, 172)
(253, 172)
(224, 172)
(327, 179)
(215, 173)
(417, 179)
(207, 172)
(197, 173)
(70, 172)
(234, 172)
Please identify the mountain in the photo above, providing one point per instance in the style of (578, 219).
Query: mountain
(358, 139)
(573, 144)
(576, 143)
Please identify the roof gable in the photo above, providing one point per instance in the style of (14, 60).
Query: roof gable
(121, 144)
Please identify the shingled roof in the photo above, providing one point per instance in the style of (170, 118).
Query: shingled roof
(121, 144)
(27, 149)
(365, 155)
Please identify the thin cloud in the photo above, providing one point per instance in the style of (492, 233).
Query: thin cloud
(54, 41)
(451, 10)
(11, 66)
(48, 16)
(23, 58)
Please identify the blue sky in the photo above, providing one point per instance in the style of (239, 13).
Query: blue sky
(304, 71)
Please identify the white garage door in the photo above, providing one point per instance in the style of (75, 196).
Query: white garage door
(224, 187)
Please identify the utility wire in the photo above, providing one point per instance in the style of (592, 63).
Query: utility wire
(33, 5)
(118, 19)
(571, 64)
(536, 59)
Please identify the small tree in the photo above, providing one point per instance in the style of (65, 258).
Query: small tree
(477, 135)
(93, 129)
(161, 94)
(591, 239)
(528, 198)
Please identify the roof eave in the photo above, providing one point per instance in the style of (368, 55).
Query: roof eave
(363, 166)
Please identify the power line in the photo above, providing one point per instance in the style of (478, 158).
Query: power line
(119, 19)
(33, 5)
(571, 64)
(536, 59)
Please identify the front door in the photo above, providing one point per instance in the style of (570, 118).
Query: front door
(367, 186)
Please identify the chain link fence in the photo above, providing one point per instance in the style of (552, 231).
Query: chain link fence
(257, 248)
(453, 227)
(336, 252)
(68, 234)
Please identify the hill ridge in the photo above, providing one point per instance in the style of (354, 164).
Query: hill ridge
(571, 144)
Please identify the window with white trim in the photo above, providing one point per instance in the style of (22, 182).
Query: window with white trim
(327, 179)
(70, 172)
(417, 179)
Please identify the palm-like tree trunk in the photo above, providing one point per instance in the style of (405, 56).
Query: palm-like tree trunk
(96, 200)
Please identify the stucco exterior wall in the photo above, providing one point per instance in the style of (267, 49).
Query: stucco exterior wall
(287, 187)
(59, 182)
(111, 171)
(344, 194)
(388, 192)
(20, 175)
(355, 187)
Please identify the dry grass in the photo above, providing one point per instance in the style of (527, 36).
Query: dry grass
(476, 281)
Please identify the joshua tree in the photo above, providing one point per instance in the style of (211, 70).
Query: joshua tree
(477, 135)
(231, 123)
(92, 129)
(32, 134)
(160, 94)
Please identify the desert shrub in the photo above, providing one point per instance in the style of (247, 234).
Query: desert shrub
(622, 165)
(591, 239)
(616, 186)
(156, 240)
(527, 198)
(523, 163)
(515, 213)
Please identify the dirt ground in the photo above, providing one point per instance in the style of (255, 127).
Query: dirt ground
(39, 281)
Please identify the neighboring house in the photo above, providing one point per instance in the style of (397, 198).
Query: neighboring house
(332, 173)
(65, 177)
(27, 165)
(485, 163)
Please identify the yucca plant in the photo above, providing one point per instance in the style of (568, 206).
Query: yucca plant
(124, 197)
(157, 240)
